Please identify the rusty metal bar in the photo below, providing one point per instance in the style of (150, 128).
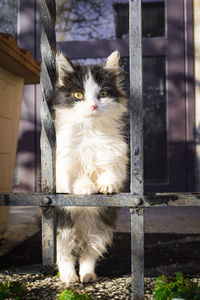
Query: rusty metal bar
(137, 253)
(48, 138)
(47, 78)
(48, 246)
(119, 200)
(136, 145)
(136, 100)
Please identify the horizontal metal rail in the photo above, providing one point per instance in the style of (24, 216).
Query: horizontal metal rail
(118, 200)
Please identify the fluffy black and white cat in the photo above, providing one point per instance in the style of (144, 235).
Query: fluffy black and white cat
(91, 157)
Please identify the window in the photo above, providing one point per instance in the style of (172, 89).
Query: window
(153, 19)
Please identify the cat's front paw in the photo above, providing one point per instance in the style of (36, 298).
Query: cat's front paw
(106, 185)
(108, 189)
(68, 277)
(84, 186)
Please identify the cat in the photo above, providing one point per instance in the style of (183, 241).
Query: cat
(91, 157)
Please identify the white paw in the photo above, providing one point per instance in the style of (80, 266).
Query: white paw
(107, 183)
(88, 277)
(87, 270)
(108, 188)
(68, 277)
(84, 186)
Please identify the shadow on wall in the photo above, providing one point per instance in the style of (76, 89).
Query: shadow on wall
(27, 172)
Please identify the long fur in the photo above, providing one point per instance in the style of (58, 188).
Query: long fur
(91, 157)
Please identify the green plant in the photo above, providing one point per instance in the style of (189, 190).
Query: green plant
(12, 289)
(178, 286)
(72, 295)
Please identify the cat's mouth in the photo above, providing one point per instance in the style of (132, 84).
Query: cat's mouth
(94, 108)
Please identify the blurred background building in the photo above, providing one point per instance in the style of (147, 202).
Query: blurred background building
(89, 31)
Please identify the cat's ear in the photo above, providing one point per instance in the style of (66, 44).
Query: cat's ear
(112, 62)
(64, 67)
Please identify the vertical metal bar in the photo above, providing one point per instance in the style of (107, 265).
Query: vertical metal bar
(48, 77)
(48, 233)
(137, 253)
(136, 100)
(136, 145)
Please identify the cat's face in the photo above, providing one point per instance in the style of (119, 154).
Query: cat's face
(90, 91)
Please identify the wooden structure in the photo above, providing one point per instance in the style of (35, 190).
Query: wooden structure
(17, 67)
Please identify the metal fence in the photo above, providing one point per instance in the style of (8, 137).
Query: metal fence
(135, 200)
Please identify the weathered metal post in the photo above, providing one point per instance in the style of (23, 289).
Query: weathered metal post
(136, 145)
(48, 139)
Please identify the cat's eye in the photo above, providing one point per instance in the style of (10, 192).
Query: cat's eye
(103, 93)
(78, 95)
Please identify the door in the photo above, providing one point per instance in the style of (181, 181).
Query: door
(169, 99)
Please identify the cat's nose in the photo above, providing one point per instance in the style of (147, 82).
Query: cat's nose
(94, 107)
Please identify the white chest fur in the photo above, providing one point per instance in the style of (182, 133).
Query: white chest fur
(88, 151)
